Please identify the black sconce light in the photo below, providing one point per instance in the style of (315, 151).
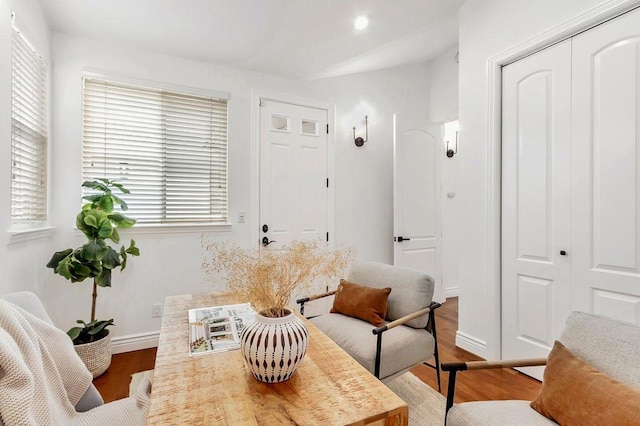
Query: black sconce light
(451, 152)
(359, 141)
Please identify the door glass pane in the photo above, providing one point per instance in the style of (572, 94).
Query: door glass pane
(279, 123)
(309, 127)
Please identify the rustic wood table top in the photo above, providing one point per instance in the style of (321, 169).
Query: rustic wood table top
(329, 388)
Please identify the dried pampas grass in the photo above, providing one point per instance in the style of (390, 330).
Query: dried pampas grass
(267, 279)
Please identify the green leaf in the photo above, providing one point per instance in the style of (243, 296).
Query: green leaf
(106, 203)
(63, 268)
(79, 270)
(57, 257)
(91, 221)
(99, 326)
(123, 255)
(120, 201)
(96, 268)
(115, 236)
(121, 220)
(74, 333)
(95, 185)
(81, 322)
(105, 180)
(121, 188)
(86, 230)
(111, 260)
(104, 279)
(93, 198)
(133, 250)
(104, 228)
(95, 249)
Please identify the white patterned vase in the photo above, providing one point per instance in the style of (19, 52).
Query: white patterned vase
(274, 347)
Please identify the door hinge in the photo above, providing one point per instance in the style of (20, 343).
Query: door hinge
(327, 182)
(327, 129)
(260, 103)
(327, 237)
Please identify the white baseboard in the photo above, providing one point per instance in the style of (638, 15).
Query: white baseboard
(471, 344)
(134, 342)
(452, 292)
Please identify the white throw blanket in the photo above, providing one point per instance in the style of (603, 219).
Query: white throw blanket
(42, 378)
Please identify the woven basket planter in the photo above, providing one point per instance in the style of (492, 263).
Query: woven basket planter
(96, 355)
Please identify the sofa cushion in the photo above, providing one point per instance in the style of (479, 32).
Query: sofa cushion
(358, 301)
(573, 392)
(495, 413)
(411, 290)
(607, 345)
(402, 347)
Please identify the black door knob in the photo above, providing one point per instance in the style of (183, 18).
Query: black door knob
(265, 228)
(563, 253)
(401, 239)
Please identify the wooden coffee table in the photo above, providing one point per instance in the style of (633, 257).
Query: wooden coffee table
(329, 388)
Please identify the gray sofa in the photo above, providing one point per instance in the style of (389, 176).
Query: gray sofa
(610, 346)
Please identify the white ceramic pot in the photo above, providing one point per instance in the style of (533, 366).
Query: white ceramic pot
(274, 347)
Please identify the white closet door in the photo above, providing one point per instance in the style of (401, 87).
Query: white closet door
(606, 173)
(536, 144)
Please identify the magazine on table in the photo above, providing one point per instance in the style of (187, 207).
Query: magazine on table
(218, 328)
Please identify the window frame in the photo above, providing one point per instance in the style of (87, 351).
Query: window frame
(21, 230)
(162, 228)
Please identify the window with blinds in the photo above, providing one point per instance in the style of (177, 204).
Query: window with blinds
(169, 149)
(29, 75)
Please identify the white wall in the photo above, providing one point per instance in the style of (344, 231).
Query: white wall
(489, 28)
(22, 264)
(170, 262)
(443, 107)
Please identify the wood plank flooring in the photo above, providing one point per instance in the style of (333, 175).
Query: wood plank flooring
(470, 385)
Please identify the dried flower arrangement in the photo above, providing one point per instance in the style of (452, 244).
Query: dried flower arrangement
(267, 279)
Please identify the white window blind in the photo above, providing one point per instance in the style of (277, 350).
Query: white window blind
(169, 149)
(28, 132)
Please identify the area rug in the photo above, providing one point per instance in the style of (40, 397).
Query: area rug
(426, 406)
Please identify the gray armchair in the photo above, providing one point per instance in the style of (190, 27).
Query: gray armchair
(611, 347)
(90, 406)
(409, 336)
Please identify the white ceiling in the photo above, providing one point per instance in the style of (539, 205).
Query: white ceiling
(296, 38)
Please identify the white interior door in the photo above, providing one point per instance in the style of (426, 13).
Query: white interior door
(536, 210)
(606, 172)
(293, 177)
(417, 229)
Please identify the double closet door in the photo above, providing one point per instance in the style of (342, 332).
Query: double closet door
(571, 185)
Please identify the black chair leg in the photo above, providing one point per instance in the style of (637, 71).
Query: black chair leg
(436, 354)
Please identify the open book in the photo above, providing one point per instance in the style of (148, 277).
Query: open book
(218, 328)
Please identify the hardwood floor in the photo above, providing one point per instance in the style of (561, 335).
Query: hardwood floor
(470, 385)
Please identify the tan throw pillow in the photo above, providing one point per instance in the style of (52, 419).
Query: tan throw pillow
(574, 393)
(358, 301)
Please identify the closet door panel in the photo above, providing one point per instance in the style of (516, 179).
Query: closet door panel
(606, 169)
(535, 202)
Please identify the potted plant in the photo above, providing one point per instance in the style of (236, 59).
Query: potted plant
(96, 259)
(273, 346)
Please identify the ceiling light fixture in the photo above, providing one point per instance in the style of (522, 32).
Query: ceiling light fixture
(361, 22)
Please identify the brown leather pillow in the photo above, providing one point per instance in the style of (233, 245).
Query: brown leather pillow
(358, 301)
(573, 392)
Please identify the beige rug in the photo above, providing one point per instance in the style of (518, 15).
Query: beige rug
(426, 406)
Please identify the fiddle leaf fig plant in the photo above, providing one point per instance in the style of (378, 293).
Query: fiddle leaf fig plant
(96, 259)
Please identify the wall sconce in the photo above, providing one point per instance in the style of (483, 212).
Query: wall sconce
(359, 141)
(452, 151)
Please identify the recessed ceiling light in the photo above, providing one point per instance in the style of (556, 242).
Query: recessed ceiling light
(361, 22)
